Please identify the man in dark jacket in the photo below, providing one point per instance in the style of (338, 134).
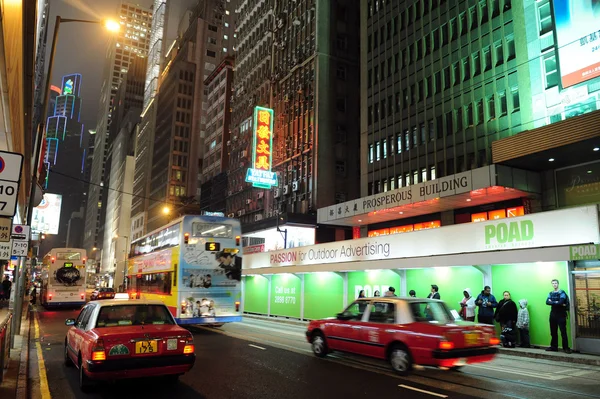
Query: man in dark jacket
(434, 294)
(486, 302)
(558, 300)
(6, 286)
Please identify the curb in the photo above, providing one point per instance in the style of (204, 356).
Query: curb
(23, 377)
(589, 360)
(536, 353)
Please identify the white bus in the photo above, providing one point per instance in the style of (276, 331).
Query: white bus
(63, 278)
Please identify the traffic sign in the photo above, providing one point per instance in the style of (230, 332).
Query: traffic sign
(5, 250)
(5, 229)
(20, 232)
(10, 175)
(19, 248)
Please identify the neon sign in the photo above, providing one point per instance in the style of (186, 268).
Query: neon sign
(260, 174)
(68, 89)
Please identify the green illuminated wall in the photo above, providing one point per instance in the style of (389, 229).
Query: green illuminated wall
(323, 295)
(370, 281)
(285, 295)
(451, 281)
(256, 291)
(532, 281)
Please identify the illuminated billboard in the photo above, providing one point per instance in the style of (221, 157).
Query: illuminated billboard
(260, 174)
(46, 216)
(578, 40)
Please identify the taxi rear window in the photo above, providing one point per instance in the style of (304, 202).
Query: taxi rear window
(133, 315)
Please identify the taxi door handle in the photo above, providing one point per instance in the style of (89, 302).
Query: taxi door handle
(356, 327)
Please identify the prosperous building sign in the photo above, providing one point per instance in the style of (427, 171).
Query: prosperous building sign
(578, 40)
(260, 174)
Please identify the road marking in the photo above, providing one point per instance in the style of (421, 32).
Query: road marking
(439, 395)
(257, 347)
(44, 390)
(551, 377)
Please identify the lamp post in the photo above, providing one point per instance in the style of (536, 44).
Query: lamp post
(110, 25)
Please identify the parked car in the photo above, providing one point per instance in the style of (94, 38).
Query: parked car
(117, 339)
(404, 331)
(102, 293)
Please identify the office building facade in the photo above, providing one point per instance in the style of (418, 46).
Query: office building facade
(130, 43)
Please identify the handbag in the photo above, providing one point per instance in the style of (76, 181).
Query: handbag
(497, 314)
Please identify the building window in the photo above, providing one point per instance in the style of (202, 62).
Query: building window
(377, 151)
(385, 185)
(474, 18)
(499, 52)
(423, 133)
(340, 104)
(342, 42)
(487, 59)
(476, 64)
(399, 181)
(464, 27)
(424, 174)
(503, 106)
(484, 11)
(432, 172)
(415, 177)
(406, 140)
(407, 179)
(466, 69)
(480, 112)
(370, 153)
(399, 143)
(545, 18)
(392, 183)
(550, 71)
(384, 147)
(515, 99)
(415, 142)
(510, 47)
(470, 118)
(211, 53)
(491, 107)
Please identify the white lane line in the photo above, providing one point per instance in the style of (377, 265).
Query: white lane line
(439, 395)
(551, 377)
(257, 347)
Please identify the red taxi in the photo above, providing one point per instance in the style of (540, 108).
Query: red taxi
(405, 332)
(116, 339)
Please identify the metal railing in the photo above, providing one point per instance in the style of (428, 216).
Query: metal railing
(5, 327)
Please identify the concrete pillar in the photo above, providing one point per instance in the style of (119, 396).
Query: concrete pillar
(344, 276)
(486, 270)
(301, 276)
(243, 291)
(403, 285)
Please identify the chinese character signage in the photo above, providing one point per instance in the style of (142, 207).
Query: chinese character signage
(578, 40)
(260, 174)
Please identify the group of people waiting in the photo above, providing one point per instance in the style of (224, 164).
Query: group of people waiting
(508, 314)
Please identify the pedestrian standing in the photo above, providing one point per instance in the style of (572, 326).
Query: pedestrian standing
(412, 294)
(6, 286)
(486, 302)
(523, 323)
(467, 306)
(434, 294)
(559, 303)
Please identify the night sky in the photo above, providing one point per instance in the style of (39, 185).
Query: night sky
(82, 47)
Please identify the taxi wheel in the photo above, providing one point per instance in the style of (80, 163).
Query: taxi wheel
(85, 384)
(68, 361)
(319, 346)
(400, 359)
(456, 368)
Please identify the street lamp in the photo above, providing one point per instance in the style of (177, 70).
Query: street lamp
(166, 210)
(112, 26)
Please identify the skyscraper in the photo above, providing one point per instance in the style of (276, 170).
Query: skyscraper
(65, 154)
(131, 42)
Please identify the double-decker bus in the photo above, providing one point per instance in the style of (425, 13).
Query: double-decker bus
(63, 277)
(193, 265)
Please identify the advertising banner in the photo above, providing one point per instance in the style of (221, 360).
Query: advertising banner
(211, 268)
(578, 40)
(46, 216)
(539, 230)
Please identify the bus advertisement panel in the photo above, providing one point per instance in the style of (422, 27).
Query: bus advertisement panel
(64, 277)
(211, 269)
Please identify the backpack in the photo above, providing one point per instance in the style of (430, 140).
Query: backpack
(567, 302)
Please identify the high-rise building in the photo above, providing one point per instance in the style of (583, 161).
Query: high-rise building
(120, 171)
(131, 42)
(300, 58)
(469, 115)
(216, 153)
(64, 155)
(181, 111)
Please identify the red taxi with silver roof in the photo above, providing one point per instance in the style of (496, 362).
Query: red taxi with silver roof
(117, 339)
(406, 332)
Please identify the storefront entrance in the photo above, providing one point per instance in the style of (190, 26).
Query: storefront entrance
(586, 283)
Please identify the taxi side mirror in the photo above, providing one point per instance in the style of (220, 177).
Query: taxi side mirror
(70, 322)
(342, 316)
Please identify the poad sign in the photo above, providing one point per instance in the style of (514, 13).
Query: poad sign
(260, 174)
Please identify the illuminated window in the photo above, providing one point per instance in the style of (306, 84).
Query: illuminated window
(550, 70)
(497, 214)
(515, 99)
(384, 146)
(370, 153)
(99, 204)
(399, 181)
(516, 211)
(377, 151)
(432, 172)
(545, 18)
(415, 177)
(479, 217)
(407, 179)
(385, 185)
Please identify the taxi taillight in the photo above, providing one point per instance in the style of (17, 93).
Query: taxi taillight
(189, 348)
(446, 345)
(82, 296)
(494, 341)
(98, 353)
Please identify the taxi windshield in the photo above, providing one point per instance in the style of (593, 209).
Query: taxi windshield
(431, 312)
(133, 315)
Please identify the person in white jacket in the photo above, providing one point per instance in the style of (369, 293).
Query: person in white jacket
(467, 306)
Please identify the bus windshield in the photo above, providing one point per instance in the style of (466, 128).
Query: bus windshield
(212, 230)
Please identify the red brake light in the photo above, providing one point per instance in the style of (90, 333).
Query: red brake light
(82, 296)
(186, 238)
(53, 259)
(189, 348)
(494, 341)
(446, 345)
(98, 353)
(49, 297)
(237, 306)
(84, 261)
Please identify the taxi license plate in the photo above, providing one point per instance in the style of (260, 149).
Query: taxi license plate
(471, 339)
(145, 347)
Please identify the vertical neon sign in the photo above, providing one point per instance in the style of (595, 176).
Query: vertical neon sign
(260, 174)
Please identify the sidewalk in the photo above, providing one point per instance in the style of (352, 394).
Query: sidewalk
(535, 352)
(14, 384)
